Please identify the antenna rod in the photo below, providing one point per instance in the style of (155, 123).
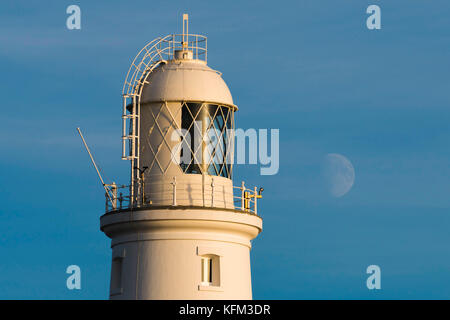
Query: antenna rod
(95, 166)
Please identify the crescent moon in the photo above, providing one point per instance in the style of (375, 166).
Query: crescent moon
(339, 174)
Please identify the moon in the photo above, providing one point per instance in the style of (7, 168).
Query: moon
(339, 174)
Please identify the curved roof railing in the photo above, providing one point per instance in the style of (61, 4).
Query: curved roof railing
(159, 51)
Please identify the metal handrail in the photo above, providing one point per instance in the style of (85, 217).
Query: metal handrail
(162, 49)
(244, 199)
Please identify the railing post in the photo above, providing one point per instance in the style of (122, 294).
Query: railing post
(255, 197)
(120, 200)
(114, 194)
(174, 194)
(212, 192)
(242, 195)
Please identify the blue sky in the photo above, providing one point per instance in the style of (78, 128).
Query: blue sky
(310, 68)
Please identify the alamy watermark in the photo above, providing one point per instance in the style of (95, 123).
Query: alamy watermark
(373, 22)
(74, 20)
(252, 147)
(374, 281)
(74, 280)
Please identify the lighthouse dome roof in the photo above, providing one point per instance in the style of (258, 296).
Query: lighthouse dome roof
(186, 80)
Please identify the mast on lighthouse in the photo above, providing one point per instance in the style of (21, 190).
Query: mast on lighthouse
(180, 229)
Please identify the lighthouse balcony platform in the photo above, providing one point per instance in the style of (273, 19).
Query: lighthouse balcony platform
(123, 198)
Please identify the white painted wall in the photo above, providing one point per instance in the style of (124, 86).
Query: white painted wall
(161, 252)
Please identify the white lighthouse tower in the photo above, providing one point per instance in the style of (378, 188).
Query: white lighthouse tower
(180, 230)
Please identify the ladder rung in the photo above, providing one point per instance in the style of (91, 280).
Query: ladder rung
(129, 116)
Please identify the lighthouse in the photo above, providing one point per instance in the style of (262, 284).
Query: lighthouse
(181, 229)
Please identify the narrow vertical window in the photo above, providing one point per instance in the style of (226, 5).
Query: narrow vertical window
(210, 272)
(116, 287)
(116, 275)
(209, 269)
(207, 275)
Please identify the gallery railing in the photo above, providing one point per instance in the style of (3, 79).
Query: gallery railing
(244, 199)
